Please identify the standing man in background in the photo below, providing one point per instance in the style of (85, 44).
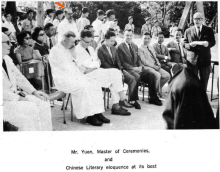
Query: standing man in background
(49, 18)
(83, 21)
(130, 25)
(97, 25)
(199, 39)
(67, 24)
(146, 27)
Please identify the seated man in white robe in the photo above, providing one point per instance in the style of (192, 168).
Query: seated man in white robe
(28, 110)
(87, 99)
(89, 64)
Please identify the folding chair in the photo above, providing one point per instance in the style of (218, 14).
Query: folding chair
(33, 70)
(61, 95)
(108, 91)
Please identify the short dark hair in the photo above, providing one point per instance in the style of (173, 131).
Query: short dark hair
(161, 33)
(48, 11)
(4, 29)
(110, 12)
(6, 13)
(85, 10)
(179, 30)
(47, 26)
(100, 12)
(129, 30)
(109, 34)
(87, 27)
(147, 33)
(30, 11)
(21, 36)
(86, 33)
(36, 32)
(58, 12)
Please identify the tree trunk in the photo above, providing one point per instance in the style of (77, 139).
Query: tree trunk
(200, 9)
(191, 13)
(40, 14)
(11, 8)
(52, 4)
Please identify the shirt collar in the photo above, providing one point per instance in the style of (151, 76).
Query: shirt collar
(200, 28)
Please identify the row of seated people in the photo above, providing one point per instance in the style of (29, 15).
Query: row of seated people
(132, 73)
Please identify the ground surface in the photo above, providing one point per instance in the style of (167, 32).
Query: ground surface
(148, 118)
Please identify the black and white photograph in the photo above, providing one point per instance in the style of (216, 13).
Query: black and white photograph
(109, 65)
(109, 85)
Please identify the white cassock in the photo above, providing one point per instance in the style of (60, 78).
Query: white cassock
(31, 115)
(108, 78)
(66, 26)
(86, 94)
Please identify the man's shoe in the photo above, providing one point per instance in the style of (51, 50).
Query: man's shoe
(120, 111)
(136, 105)
(101, 118)
(125, 103)
(92, 120)
(155, 101)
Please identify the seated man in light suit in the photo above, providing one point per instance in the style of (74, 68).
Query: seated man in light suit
(152, 64)
(86, 94)
(28, 110)
(162, 53)
(89, 64)
(108, 55)
(177, 52)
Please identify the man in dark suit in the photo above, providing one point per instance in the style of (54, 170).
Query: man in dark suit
(177, 51)
(131, 62)
(127, 54)
(162, 53)
(108, 55)
(200, 39)
(187, 105)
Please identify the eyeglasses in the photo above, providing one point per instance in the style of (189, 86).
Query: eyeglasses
(86, 42)
(7, 42)
(42, 34)
(197, 19)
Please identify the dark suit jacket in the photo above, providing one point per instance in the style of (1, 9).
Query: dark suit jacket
(105, 57)
(175, 54)
(187, 105)
(204, 53)
(125, 56)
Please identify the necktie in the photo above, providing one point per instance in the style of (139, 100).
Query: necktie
(4, 66)
(109, 50)
(51, 44)
(87, 50)
(181, 52)
(132, 54)
(199, 33)
(152, 55)
(161, 50)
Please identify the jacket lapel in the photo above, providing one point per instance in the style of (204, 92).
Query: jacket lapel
(194, 33)
(135, 54)
(202, 32)
(126, 49)
(107, 53)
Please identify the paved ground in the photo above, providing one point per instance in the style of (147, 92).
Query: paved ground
(148, 118)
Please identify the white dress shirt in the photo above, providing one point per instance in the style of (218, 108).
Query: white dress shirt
(66, 26)
(197, 30)
(97, 25)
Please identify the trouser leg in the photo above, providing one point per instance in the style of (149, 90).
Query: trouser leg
(152, 78)
(165, 77)
(204, 73)
(132, 78)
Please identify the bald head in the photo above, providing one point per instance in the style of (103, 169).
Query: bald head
(198, 19)
(6, 45)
